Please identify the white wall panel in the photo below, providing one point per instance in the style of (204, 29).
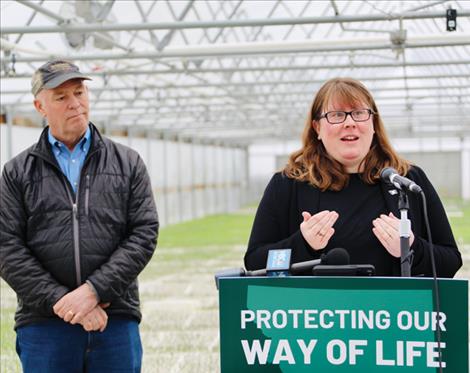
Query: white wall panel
(189, 180)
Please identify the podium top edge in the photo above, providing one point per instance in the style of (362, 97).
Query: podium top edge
(346, 277)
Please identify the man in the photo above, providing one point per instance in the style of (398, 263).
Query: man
(78, 224)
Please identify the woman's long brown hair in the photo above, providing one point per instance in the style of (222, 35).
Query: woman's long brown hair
(314, 165)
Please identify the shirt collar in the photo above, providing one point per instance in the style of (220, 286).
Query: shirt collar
(84, 142)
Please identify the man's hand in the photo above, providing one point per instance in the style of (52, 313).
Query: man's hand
(96, 319)
(73, 306)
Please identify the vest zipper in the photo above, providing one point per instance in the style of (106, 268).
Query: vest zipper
(87, 193)
(75, 225)
(76, 244)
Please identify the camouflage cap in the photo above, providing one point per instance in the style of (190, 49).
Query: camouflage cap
(53, 73)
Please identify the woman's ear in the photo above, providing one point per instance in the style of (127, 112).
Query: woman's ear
(316, 128)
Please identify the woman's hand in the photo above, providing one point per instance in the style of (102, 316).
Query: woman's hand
(387, 230)
(317, 229)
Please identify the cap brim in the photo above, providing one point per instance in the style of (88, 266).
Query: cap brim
(57, 81)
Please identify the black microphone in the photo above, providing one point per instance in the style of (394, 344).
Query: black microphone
(336, 256)
(391, 176)
(237, 272)
(232, 272)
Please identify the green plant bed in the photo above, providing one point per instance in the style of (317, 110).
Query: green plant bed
(214, 230)
(459, 217)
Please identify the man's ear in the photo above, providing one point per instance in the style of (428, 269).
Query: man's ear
(39, 107)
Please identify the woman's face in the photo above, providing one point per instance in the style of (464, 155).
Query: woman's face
(347, 142)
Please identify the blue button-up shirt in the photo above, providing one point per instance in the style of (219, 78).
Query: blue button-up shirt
(71, 162)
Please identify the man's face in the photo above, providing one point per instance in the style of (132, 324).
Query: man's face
(66, 109)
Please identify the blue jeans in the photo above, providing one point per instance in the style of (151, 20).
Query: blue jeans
(55, 346)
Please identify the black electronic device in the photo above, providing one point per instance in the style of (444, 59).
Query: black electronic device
(451, 19)
(344, 270)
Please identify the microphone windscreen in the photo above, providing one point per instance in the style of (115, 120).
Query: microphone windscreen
(386, 173)
(232, 272)
(336, 256)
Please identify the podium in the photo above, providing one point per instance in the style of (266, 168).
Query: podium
(342, 324)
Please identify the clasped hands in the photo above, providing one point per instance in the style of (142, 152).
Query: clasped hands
(318, 229)
(80, 306)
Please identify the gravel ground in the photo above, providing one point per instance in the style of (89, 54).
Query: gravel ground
(180, 330)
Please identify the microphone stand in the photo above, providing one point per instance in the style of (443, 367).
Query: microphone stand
(405, 234)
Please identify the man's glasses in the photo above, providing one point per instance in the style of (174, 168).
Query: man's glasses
(336, 117)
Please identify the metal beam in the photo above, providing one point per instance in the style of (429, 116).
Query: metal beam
(283, 95)
(223, 23)
(296, 120)
(244, 84)
(263, 48)
(277, 122)
(242, 94)
(223, 70)
(247, 111)
(262, 103)
(291, 103)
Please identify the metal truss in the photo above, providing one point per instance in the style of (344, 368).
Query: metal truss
(238, 71)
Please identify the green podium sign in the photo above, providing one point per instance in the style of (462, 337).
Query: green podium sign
(342, 324)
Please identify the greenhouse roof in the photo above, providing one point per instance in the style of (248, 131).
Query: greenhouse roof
(244, 71)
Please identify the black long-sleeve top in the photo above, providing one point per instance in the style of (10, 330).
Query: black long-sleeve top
(277, 224)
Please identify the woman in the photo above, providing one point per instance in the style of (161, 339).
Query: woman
(330, 195)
